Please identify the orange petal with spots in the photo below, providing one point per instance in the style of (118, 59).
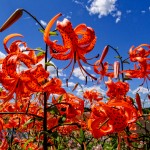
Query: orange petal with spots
(7, 38)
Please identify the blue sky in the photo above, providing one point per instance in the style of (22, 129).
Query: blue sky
(120, 23)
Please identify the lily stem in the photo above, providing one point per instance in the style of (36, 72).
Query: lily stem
(33, 18)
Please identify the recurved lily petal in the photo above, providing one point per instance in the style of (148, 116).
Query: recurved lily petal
(89, 47)
(33, 57)
(99, 128)
(7, 38)
(54, 86)
(33, 85)
(85, 36)
(61, 56)
(27, 60)
(39, 73)
(9, 95)
(80, 29)
(48, 28)
(9, 65)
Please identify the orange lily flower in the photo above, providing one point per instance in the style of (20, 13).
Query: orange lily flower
(129, 111)
(92, 95)
(102, 69)
(14, 49)
(116, 90)
(140, 71)
(70, 105)
(107, 119)
(139, 52)
(76, 43)
(25, 82)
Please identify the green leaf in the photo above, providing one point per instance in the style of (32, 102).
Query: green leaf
(139, 123)
(44, 132)
(53, 33)
(50, 64)
(86, 109)
(40, 53)
(60, 99)
(39, 119)
(29, 121)
(126, 62)
(53, 110)
(82, 136)
(1, 89)
(55, 134)
(27, 142)
(118, 57)
(62, 119)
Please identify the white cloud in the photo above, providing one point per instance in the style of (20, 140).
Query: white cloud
(77, 73)
(95, 87)
(149, 8)
(141, 89)
(104, 8)
(2, 55)
(117, 15)
(70, 84)
(43, 23)
(68, 17)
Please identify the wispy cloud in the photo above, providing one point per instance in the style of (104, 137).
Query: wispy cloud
(143, 11)
(68, 15)
(104, 8)
(79, 2)
(141, 90)
(117, 15)
(128, 11)
(43, 23)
